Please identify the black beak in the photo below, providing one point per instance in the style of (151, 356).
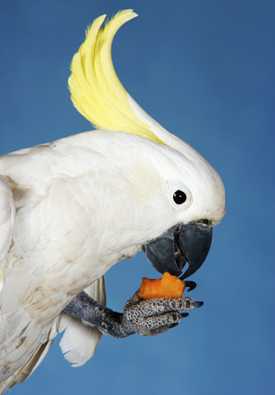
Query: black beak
(181, 244)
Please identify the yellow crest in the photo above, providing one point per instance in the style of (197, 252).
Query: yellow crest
(96, 90)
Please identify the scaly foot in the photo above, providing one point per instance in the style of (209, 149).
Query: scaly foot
(143, 317)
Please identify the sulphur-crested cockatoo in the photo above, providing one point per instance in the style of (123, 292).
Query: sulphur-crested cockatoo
(71, 209)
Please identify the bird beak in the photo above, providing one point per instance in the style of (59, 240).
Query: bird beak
(180, 245)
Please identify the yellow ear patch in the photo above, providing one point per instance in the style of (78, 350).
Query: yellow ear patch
(96, 90)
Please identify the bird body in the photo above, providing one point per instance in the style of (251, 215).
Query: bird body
(71, 209)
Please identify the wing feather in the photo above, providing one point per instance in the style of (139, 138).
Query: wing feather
(7, 216)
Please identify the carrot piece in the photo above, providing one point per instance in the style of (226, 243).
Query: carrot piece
(166, 287)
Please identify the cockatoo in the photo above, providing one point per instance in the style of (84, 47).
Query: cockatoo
(71, 209)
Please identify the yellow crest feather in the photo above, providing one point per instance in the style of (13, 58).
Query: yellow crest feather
(96, 90)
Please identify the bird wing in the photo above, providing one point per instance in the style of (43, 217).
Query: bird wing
(7, 216)
(78, 342)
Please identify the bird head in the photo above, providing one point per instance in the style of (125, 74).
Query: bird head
(168, 196)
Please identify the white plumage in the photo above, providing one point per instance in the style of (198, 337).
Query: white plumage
(82, 204)
(79, 342)
(7, 214)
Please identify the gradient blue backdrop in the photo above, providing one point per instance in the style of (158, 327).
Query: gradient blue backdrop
(205, 69)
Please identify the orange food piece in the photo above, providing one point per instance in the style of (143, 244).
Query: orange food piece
(168, 286)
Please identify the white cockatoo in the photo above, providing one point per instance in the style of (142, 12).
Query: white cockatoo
(71, 209)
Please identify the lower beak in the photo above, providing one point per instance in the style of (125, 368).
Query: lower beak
(181, 244)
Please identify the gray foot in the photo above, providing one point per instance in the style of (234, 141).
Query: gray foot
(146, 317)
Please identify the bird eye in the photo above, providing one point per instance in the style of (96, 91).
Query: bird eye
(179, 197)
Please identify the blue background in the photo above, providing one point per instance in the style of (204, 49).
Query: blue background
(205, 70)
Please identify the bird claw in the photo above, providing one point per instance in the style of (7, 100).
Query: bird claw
(198, 303)
(190, 285)
(153, 316)
(144, 317)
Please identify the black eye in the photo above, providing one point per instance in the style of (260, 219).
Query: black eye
(179, 197)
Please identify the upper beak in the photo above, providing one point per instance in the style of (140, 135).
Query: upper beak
(180, 244)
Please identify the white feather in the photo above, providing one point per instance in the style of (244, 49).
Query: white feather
(7, 214)
(79, 342)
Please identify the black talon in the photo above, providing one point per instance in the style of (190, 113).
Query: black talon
(190, 285)
(173, 326)
(184, 315)
(198, 304)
